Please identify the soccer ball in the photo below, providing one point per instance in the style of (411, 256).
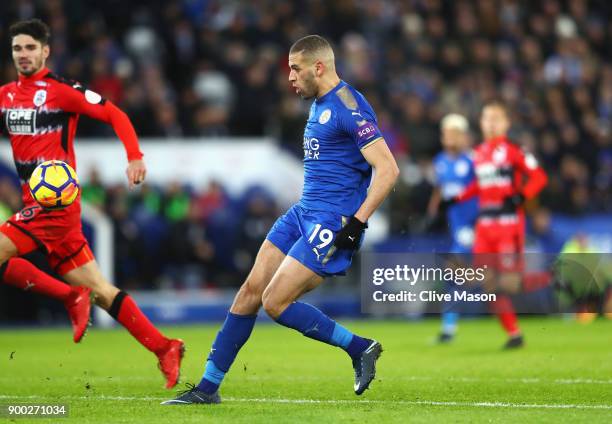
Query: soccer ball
(54, 184)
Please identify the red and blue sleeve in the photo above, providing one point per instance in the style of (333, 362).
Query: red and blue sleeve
(470, 191)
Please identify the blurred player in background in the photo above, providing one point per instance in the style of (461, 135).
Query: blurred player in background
(40, 112)
(454, 170)
(318, 236)
(505, 178)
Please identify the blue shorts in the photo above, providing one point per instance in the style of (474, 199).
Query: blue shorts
(308, 236)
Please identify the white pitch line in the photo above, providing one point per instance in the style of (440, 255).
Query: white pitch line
(335, 402)
(524, 380)
(426, 402)
(581, 381)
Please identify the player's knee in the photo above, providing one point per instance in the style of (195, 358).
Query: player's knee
(4, 256)
(273, 306)
(7, 250)
(248, 299)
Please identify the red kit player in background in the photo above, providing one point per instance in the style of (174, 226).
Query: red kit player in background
(505, 178)
(39, 115)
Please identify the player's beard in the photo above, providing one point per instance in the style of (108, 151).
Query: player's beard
(35, 65)
(309, 87)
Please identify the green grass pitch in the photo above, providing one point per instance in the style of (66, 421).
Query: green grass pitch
(563, 374)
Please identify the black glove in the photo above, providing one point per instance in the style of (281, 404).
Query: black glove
(350, 235)
(512, 203)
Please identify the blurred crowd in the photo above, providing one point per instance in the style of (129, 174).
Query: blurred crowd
(178, 237)
(192, 68)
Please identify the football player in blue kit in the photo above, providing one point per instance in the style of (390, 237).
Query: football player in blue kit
(454, 170)
(318, 236)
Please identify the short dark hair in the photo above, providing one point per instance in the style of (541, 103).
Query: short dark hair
(35, 28)
(310, 44)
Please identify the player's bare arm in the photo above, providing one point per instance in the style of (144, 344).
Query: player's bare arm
(379, 156)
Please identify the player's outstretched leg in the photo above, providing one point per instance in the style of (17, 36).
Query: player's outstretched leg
(22, 274)
(290, 282)
(313, 323)
(124, 310)
(235, 331)
(169, 352)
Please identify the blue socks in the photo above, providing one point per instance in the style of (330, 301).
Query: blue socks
(212, 378)
(302, 317)
(232, 336)
(313, 323)
(449, 322)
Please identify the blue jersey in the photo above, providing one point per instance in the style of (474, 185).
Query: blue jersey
(453, 174)
(336, 175)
